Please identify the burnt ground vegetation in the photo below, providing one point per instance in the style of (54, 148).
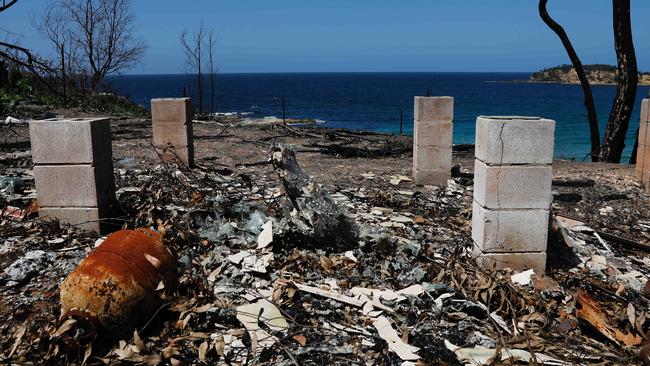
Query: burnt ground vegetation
(412, 265)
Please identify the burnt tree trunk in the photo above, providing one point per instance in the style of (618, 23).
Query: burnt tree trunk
(584, 83)
(628, 79)
(314, 213)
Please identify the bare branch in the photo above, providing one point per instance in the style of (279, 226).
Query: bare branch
(584, 82)
(6, 5)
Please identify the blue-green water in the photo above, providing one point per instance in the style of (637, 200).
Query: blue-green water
(373, 101)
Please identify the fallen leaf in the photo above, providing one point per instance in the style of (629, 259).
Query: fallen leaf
(326, 263)
(203, 350)
(301, 339)
(19, 337)
(138, 341)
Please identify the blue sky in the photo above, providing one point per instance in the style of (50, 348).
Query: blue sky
(369, 35)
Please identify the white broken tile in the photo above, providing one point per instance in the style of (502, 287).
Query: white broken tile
(522, 278)
(266, 236)
(405, 351)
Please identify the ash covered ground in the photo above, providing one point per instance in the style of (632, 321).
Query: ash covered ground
(408, 292)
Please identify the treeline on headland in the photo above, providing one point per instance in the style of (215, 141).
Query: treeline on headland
(596, 74)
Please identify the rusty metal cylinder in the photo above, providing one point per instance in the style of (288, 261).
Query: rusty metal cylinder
(115, 285)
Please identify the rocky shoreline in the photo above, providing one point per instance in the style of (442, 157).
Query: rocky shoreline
(596, 74)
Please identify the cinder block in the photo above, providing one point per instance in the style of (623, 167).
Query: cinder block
(433, 109)
(495, 231)
(172, 129)
(432, 157)
(171, 110)
(86, 218)
(172, 154)
(431, 177)
(70, 141)
(74, 185)
(512, 186)
(514, 140)
(516, 261)
(174, 134)
(433, 133)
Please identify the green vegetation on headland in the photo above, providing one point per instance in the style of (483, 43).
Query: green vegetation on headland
(19, 98)
(597, 74)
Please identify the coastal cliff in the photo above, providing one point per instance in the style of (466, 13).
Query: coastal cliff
(596, 74)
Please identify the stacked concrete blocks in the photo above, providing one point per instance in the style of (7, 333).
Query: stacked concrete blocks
(432, 134)
(73, 170)
(172, 129)
(643, 148)
(512, 191)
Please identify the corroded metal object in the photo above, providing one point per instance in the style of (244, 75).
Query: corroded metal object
(115, 286)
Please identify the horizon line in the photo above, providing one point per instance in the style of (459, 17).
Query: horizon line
(332, 72)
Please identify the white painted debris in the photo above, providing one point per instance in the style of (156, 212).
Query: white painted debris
(405, 351)
(15, 121)
(485, 356)
(350, 255)
(99, 241)
(354, 329)
(438, 301)
(500, 322)
(406, 193)
(522, 278)
(262, 311)
(266, 236)
(250, 262)
(388, 295)
(332, 283)
(330, 294)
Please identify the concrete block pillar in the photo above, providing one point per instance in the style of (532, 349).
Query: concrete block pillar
(73, 170)
(512, 191)
(432, 133)
(643, 149)
(172, 129)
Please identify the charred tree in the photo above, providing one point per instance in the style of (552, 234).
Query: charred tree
(194, 62)
(584, 82)
(628, 79)
(4, 5)
(210, 49)
(316, 215)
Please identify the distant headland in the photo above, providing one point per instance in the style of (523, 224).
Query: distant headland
(597, 74)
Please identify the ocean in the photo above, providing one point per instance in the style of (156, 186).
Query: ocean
(374, 101)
